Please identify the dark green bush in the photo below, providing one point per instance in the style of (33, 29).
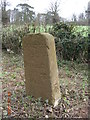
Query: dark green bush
(69, 45)
(12, 39)
(12, 36)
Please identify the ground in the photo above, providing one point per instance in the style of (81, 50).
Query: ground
(73, 85)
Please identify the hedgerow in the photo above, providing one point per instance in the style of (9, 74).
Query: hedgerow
(70, 45)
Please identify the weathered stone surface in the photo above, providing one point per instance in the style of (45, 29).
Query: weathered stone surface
(41, 72)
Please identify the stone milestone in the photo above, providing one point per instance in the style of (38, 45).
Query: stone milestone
(41, 71)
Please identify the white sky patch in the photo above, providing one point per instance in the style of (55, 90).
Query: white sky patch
(67, 7)
(70, 7)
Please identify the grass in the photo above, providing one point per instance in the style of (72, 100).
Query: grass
(73, 78)
(82, 29)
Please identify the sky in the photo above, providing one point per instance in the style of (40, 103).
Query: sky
(66, 7)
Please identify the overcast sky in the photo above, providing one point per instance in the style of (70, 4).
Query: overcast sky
(66, 7)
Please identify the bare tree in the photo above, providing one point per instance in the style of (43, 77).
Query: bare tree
(5, 17)
(81, 17)
(53, 11)
(88, 13)
(74, 18)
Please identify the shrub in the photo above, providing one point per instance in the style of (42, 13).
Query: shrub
(69, 44)
(12, 38)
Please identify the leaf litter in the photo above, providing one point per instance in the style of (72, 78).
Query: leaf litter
(73, 86)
